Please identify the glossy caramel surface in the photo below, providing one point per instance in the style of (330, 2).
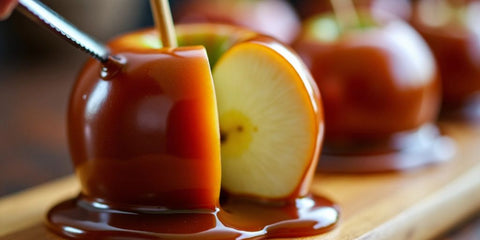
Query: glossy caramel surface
(374, 83)
(456, 46)
(458, 62)
(236, 219)
(148, 136)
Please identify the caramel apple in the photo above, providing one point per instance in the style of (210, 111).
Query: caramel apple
(146, 141)
(272, 17)
(250, 138)
(379, 87)
(451, 29)
(145, 126)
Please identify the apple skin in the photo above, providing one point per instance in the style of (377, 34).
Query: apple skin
(147, 137)
(455, 44)
(217, 39)
(375, 83)
(276, 18)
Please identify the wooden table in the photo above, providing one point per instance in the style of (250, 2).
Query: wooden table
(416, 204)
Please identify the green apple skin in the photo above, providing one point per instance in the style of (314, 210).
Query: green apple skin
(376, 81)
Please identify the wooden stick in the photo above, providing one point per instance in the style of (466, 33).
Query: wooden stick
(345, 13)
(164, 22)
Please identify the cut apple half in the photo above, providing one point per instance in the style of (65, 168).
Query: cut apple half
(271, 118)
(269, 123)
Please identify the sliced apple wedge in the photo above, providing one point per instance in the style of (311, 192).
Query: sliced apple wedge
(269, 121)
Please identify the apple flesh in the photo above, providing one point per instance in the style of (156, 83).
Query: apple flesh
(271, 125)
(377, 80)
(276, 18)
(270, 114)
(147, 137)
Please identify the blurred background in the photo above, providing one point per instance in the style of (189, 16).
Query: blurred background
(38, 69)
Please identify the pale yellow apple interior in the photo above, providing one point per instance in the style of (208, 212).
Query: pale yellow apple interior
(267, 124)
(236, 133)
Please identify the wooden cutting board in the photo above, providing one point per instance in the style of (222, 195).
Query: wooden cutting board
(415, 204)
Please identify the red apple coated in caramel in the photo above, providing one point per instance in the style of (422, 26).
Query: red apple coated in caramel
(148, 137)
(456, 47)
(374, 82)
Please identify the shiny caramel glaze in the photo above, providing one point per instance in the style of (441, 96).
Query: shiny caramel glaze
(375, 83)
(236, 219)
(456, 48)
(413, 149)
(148, 136)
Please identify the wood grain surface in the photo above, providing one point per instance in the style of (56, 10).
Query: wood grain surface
(417, 204)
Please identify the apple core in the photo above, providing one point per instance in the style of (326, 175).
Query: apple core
(235, 133)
